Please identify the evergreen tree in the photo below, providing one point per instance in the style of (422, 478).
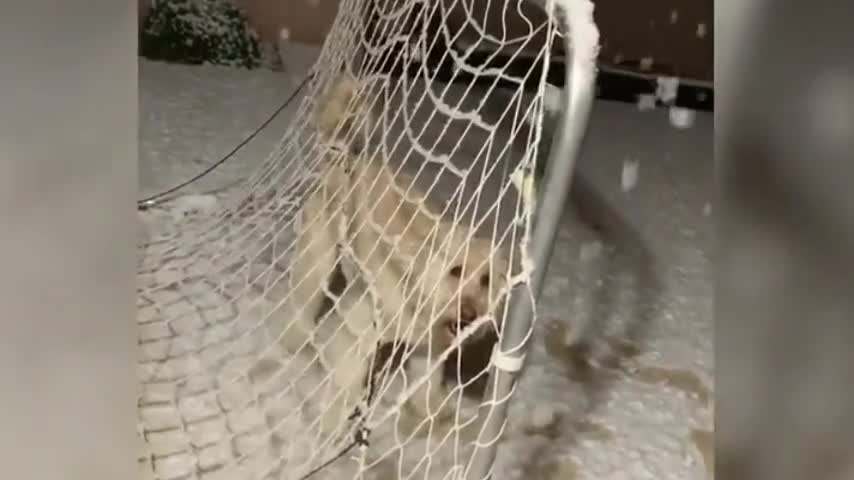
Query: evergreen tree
(198, 32)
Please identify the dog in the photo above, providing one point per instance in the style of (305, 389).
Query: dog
(365, 223)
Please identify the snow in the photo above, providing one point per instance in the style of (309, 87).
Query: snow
(666, 89)
(681, 118)
(645, 295)
(646, 63)
(552, 97)
(646, 102)
(631, 169)
(590, 251)
(578, 18)
(184, 128)
(194, 204)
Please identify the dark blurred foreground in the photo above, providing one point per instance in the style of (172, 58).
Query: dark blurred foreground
(785, 306)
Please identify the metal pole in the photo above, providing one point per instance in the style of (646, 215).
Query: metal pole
(578, 96)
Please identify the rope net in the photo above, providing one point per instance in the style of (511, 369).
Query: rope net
(336, 315)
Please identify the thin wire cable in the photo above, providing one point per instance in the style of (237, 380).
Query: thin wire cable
(159, 197)
(332, 460)
(360, 435)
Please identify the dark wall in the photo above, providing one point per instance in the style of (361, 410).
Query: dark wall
(663, 37)
(675, 34)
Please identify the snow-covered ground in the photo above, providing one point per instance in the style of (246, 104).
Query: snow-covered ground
(632, 261)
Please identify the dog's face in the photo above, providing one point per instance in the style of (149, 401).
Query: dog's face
(469, 288)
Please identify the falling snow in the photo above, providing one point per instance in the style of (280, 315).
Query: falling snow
(674, 16)
(682, 118)
(631, 167)
(646, 63)
(666, 89)
(646, 102)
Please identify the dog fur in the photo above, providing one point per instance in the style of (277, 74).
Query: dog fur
(421, 267)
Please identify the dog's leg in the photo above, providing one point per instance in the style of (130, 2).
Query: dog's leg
(427, 401)
(312, 267)
(349, 341)
(342, 363)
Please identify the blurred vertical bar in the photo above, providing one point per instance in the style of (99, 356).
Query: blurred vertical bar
(68, 231)
(785, 310)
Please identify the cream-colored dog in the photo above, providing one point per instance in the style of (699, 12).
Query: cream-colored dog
(364, 223)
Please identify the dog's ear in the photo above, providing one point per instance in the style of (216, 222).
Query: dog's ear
(342, 117)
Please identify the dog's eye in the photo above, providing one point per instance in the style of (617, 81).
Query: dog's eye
(456, 271)
(484, 280)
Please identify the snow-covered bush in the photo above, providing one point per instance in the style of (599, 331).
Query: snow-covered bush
(199, 31)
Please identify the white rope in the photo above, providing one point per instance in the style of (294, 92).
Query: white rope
(507, 362)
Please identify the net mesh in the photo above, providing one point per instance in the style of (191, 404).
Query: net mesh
(335, 315)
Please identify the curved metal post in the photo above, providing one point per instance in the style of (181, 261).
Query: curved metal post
(578, 94)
